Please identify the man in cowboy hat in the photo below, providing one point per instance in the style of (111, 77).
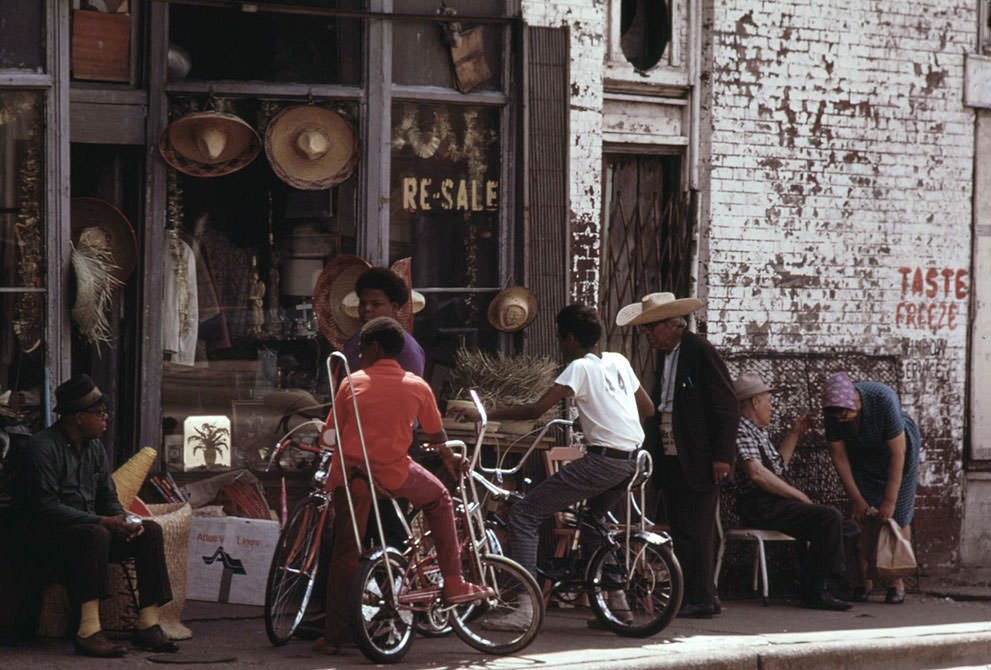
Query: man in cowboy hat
(68, 505)
(692, 436)
(767, 500)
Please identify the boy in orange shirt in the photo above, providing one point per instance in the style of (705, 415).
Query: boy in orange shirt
(389, 400)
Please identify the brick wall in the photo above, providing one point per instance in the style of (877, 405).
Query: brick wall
(839, 203)
(586, 23)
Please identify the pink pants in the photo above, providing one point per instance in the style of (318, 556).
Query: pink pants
(424, 491)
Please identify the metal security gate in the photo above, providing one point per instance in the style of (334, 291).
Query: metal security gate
(647, 245)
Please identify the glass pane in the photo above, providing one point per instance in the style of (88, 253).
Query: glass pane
(240, 335)
(425, 52)
(22, 35)
(22, 256)
(445, 212)
(217, 43)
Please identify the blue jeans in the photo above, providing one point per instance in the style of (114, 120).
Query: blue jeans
(591, 477)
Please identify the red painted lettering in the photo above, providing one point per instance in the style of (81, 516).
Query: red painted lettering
(931, 275)
(947, 276)
(917, 282)
(961, 286)
(951, 321)
(904, 272)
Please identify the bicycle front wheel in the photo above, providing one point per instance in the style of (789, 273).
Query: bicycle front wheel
(511, 619)
(294, 570)
(641, 602)
(382, 630)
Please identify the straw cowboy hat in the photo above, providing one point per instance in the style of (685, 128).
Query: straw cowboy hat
(209, 144)
(656, 307)
(336, 281)
(310, 147)
(417, 300)
(512, 309)
(107, 226)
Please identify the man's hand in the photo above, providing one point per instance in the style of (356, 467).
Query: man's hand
(803, 497)
(455, 463)
(119, 525)
(803, 423)
(720, 471)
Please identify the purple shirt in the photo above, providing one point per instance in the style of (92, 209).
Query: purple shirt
(411, 358)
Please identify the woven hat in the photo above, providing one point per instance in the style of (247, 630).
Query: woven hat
(129, 477)
(310, 147)
(750, 384)
(656, 307)
(93, 213)
(209, 144)
(417, 299)
(512, 309)
(77, 394)
(336, 281)
(839, 391)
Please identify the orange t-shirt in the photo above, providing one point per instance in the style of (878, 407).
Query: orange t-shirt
(390, 399)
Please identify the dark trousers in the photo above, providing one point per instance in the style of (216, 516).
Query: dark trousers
(819, 525)
(80, 554)
(692, 516)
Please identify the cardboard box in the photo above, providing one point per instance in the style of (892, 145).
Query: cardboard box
(229, 559)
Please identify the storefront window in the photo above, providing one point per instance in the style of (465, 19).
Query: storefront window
(22, 257)
(243, 252)
(208, 43)
(446, 199)
(462, 55)
(22, 35)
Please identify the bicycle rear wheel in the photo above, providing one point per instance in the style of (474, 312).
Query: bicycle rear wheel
(507, 622)
(643, 602)
(382, 631)
(294, 570)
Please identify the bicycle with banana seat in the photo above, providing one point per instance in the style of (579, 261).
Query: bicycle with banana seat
(628, 571)
(393, 585)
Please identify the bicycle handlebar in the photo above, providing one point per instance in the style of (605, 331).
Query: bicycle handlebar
(284, 442)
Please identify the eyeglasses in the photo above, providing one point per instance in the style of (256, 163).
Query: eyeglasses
(99, 411)
(677, 323)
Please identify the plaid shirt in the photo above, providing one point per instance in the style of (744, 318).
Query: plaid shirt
(753, 444)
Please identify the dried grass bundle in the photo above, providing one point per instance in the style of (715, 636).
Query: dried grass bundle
(95, 282)
(500, 379)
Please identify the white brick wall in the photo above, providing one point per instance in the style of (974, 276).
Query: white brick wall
(586, 20)
(842, 153)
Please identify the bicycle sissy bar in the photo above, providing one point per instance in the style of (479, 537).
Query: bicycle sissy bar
(368, 465)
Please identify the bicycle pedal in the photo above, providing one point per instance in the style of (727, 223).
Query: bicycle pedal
(419, 596)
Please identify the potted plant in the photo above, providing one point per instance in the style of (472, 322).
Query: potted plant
(212, 439)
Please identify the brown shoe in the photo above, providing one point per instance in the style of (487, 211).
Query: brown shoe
(154, 639)
(97, 645)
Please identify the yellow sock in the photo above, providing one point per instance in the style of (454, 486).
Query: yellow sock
(89, 618)
(147, 617)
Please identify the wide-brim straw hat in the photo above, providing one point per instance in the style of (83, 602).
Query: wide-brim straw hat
(129, 477)
(656, 307)
(209, 144)
(335, 281)
(512, 309)
(311, 147)
(417, 302)
(89, 212)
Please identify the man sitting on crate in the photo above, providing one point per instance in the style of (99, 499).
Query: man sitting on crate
(389, 400)
(72, 520)
(611, 405)
(769, 502)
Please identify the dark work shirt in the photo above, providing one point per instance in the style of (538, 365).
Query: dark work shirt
(64, 486)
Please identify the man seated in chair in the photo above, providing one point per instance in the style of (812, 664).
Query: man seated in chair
(611, 405)
(389, 400)
(67, 503)
(767, 501)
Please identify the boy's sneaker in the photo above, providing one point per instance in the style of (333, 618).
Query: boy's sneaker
(457, 591)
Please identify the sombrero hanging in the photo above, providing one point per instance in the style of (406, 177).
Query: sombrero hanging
(335, 282)
(311, 147)
(209, 144)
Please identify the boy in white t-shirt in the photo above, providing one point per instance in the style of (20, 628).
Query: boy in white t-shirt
(611, 404)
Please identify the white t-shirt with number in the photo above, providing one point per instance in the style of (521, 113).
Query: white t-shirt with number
(605, 393)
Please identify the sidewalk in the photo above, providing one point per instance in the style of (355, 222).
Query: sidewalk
(925, 632)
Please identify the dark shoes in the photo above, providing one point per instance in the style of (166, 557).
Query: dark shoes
(860, 595)
(824, 600)
(97, 645)
(154, 639)
(333, 647)
(690, 611)
(894, 596)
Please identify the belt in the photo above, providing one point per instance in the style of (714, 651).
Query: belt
(612, 452)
